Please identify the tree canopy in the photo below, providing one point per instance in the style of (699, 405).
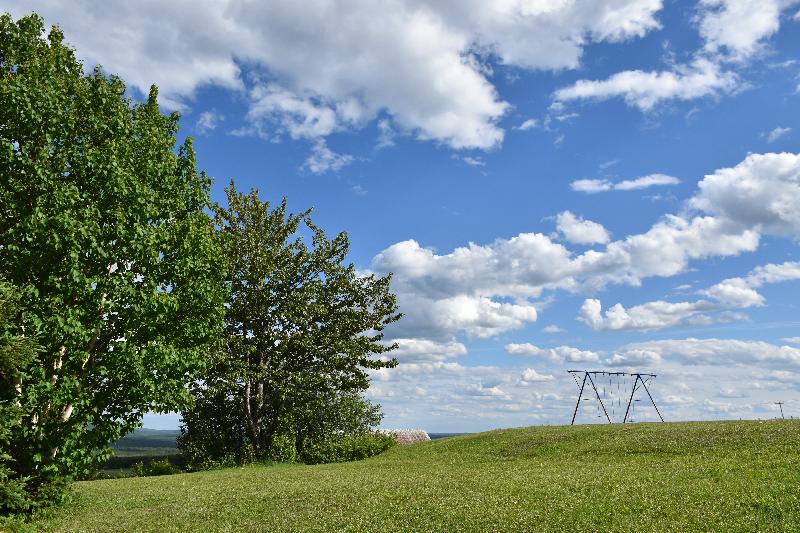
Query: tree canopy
(104, 230)
(302, 327)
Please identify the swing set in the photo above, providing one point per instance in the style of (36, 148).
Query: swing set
(610, 389)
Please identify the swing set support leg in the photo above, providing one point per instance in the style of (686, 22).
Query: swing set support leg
(598, 397)
(633, 390)
(578, 403)
(653, 401)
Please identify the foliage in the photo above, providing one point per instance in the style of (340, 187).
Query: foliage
(155, 467)
(352, 447)
(103, 227)
(301, 328)
(16, 352)
(699, 476)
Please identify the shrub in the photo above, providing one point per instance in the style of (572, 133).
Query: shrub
(346, 448)
(156, 467)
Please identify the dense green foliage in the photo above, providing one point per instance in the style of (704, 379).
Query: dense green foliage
(16, 352)
(154, 467)
(712, 476)
(348, 447)
(301, 328)
(103, 227)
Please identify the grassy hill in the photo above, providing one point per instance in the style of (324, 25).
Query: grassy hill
(722, 476)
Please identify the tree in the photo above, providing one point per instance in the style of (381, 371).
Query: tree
(17, 351)
(301, 329)
(103, 227)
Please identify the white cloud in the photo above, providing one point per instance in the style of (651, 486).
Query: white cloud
(649, 316)
(793, 340)
(719, 352)
(762, 192)
(734, 292)
(275, 110)
(423, 350)
(740, 292)
(208, 121)
(529, 124)
(483, 290)
(731, 30)
(591, 185)
(412, 59)
(553, 329)
(666, 249)
(473, 161)
(736, 29)
(323, 159)
(645, 182)
(530, 375)
(777, 133)
(559, 354)
(635, 357)
(645, 90)
(579, 231)
(386, 134)
(603, 185)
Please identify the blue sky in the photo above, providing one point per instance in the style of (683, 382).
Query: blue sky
(522, 167)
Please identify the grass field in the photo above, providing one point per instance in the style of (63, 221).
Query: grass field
(718, 476)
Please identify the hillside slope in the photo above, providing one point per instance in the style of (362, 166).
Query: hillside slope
(723, 476)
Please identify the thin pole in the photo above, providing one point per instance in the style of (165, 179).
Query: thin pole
(598, 397)
(654, 403)
(780, 404)
(580, 394)
(633, 389)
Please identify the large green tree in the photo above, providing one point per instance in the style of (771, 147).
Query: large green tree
(302, 327)
(103, 227)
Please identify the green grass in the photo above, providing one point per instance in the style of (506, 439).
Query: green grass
(718, 476)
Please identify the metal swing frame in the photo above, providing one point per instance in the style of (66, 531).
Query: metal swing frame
(640, 379)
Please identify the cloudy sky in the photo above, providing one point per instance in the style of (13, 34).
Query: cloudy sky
(593, 184)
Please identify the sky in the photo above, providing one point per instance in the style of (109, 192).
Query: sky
(573, 184)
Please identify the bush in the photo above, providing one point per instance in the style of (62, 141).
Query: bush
(156, 467)
(346, 448)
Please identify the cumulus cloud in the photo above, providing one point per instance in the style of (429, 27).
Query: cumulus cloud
(732, 292)
(559, 354)
(719, 351)
(740, 292)
(553, 329)
(275, 110)
(635, 358)
(646, 89)
(649, 316)
(424, 350)
(529, 375)
(731, 30)
(416, 60)
(579, 231)
(761, 192)
(736, 29)
(484, 290)
(323, 159)
(603, 185)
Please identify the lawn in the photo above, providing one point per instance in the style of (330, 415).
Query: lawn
(721, 476)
